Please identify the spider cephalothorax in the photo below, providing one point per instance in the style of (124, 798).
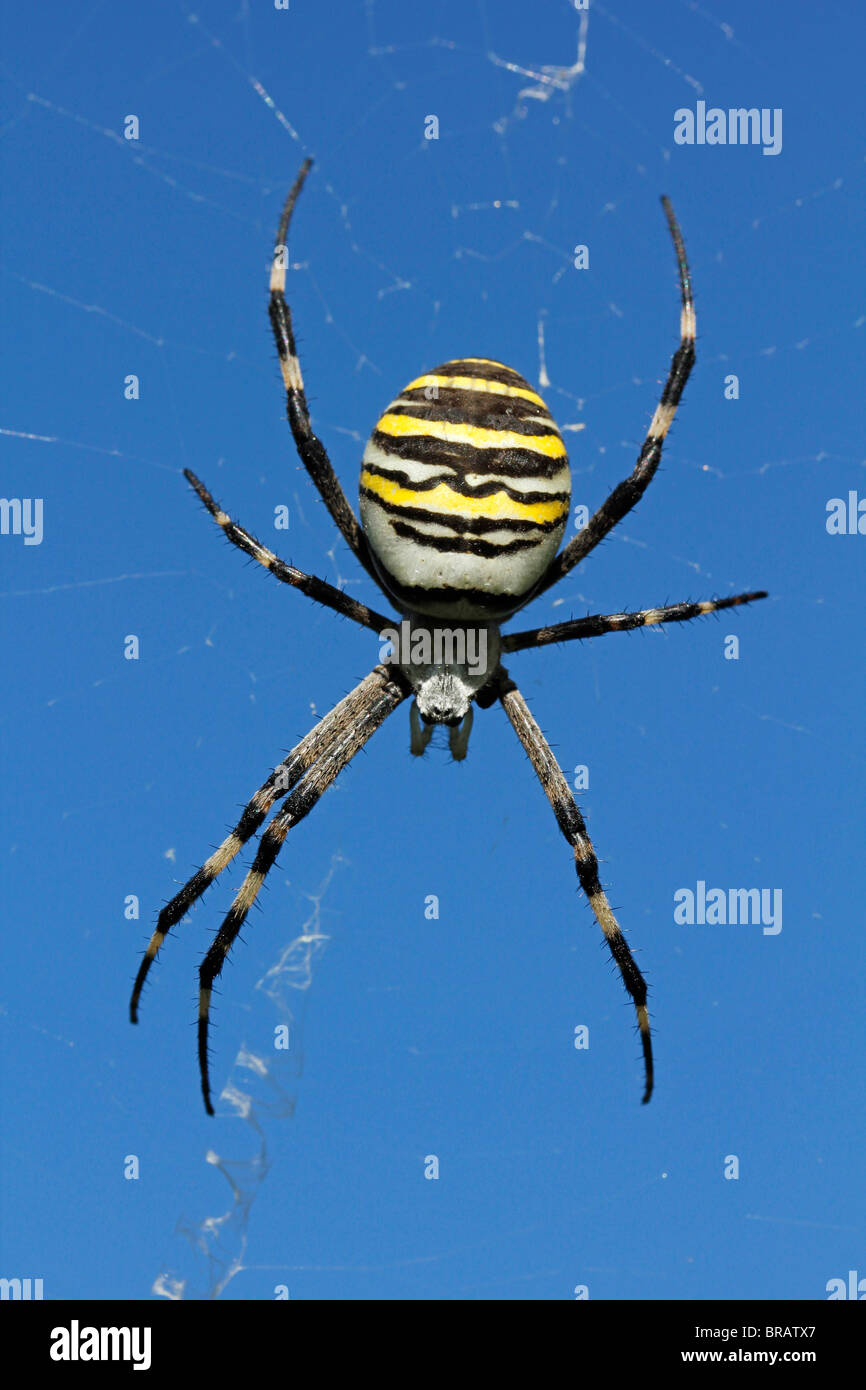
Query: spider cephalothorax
(464, 500)
(447, 668)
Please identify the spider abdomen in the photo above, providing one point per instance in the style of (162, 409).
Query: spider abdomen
(465, 491)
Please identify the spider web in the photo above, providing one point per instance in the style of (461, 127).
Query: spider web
(562, 150)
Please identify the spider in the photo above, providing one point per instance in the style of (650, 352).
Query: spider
(464, 498)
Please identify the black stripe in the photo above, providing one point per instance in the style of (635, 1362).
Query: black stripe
(468, 458)
(459, 485)
(475, 407)
(416, 599)
(467, 545)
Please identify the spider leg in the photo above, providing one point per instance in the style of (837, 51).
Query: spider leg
(379, 703)
(573, 827)
(599, 624)
(311, 449)
(317, 744)
(631, 489)
(317, 589)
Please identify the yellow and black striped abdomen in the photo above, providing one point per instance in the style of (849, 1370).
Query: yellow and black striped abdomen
(465, 491)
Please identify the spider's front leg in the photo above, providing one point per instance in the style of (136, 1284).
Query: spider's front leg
(310, 448)
(631, 489)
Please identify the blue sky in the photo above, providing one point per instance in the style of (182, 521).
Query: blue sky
(450, 1037)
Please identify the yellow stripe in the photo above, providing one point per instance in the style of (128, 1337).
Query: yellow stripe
(406, 426)
(474, 383)
(498, 507)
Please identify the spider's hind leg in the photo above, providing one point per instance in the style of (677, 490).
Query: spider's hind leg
(315, 745)
(384, 693)
(573, 827)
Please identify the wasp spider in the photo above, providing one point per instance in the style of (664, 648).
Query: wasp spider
(465, 493)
